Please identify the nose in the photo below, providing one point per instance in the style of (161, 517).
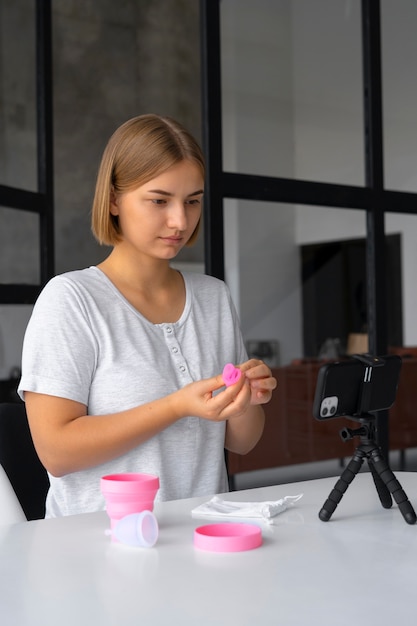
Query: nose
(177, 216)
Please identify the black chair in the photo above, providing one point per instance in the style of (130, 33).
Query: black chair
(20, 461)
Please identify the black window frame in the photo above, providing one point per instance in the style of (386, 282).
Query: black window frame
(40, 202)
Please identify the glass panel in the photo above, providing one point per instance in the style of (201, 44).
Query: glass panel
(292, 89)
(399, 59)
(297, 275)
(18, 163)
(287, 294)
(19, 247)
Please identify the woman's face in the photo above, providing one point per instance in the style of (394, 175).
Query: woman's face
(158, 218)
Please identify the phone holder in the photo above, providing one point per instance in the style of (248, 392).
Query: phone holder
(386, 484)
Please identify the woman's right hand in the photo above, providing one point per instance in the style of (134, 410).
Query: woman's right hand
(201, 400)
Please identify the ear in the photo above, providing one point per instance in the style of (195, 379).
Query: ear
(114, 208)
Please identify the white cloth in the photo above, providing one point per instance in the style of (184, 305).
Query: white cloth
(87, 343)
(218, 507)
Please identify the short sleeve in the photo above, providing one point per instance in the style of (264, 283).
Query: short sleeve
(59, 349)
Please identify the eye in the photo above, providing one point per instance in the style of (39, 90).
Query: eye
(158, 201)
(193, 201)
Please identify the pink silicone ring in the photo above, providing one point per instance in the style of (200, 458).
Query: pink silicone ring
(231, 374)
(228, 537)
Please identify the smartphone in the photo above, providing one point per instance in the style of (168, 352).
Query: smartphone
(360, 385)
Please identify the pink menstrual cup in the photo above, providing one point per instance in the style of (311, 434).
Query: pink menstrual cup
(138, 530)
(231, 374)
(128, 493)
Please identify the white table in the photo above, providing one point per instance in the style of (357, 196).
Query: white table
(360, 568)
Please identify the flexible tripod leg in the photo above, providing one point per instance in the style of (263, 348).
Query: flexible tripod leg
(387, 476)
(374, 455)
(382, 489)
(342, 484)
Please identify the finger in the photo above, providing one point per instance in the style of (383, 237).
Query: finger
(238, 404)
(260, 372)
(213, 384)
(233, 399)
(263, 396)
(248, 365)
(268, 383)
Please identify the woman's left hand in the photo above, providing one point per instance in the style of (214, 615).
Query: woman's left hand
(260, 379)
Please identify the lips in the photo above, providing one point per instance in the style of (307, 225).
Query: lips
(173, 240)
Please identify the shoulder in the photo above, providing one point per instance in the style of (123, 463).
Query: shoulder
(85, 277)
(65, 290)
(208, 290)
(77, 280)
(203, 282)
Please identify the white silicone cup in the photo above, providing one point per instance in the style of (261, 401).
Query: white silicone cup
(138, 530)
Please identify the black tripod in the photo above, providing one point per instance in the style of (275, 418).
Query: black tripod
(385, 482)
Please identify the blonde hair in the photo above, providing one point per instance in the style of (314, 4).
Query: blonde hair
(138, 151)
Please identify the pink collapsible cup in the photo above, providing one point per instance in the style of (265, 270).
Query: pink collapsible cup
(128, 493)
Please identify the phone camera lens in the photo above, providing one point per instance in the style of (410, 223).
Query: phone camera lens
(324, 411)
(333, 410)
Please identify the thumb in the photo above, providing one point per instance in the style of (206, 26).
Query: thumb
(216, 382)
(213, 384)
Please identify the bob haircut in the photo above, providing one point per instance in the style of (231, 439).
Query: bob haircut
(138, 151)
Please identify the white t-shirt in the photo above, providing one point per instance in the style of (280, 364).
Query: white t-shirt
(87, 343)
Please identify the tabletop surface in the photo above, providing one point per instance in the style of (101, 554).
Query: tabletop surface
(358, 568)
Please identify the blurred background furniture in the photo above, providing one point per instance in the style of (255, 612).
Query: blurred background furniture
(8, 387)
(20, 461)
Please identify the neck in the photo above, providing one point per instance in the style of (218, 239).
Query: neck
(125, 269)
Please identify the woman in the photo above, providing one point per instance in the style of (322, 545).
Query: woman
(122, 362)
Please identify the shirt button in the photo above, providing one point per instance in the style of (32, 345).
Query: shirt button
(169, 330)
(182, 368)
(174, 350)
